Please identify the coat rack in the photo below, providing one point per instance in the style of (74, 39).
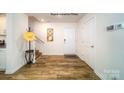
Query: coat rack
(29, 54)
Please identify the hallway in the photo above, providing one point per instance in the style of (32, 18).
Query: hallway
(54, 68)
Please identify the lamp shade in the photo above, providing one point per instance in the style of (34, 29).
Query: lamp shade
(29, 36)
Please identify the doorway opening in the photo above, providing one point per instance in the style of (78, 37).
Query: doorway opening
(69, 42)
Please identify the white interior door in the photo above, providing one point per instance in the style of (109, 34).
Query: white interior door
(90, 41)
(69, 41)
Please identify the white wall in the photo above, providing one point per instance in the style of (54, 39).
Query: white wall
(109, 45)
(36, 27)
(57, 46)
(16, 45)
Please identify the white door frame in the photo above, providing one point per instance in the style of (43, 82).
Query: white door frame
(69, 49)
(94, 44)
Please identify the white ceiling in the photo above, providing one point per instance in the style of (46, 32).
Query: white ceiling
(57, 17)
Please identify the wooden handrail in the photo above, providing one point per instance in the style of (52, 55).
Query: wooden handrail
(39, 39)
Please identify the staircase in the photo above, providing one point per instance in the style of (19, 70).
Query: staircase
(38, 54)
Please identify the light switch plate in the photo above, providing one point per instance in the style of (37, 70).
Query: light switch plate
(119, 26)
(110, 28)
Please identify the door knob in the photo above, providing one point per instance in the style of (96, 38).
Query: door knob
(92, 46)
(64, 40)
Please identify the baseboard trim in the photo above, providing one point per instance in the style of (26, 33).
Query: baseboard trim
(11, 71)
(1, 69)
(99, 75)
(55, 53)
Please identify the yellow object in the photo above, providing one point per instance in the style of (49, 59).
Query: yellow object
(29, 36)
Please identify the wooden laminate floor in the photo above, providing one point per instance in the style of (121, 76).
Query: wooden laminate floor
(54, 68)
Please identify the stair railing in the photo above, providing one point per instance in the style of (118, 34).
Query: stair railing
(40, 39)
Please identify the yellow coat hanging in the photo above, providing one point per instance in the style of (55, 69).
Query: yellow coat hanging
(29, 36)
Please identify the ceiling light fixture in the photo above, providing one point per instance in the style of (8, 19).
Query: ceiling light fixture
(59, 16)
(42, 20)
